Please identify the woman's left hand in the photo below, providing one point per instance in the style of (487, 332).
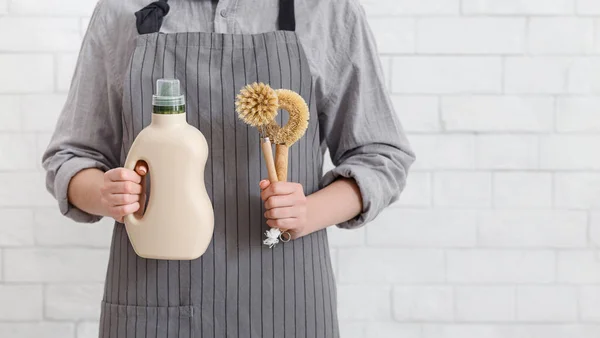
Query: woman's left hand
(286, 207)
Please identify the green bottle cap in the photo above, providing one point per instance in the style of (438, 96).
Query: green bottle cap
(168, 93)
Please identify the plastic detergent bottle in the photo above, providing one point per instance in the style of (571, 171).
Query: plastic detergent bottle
(178, 222)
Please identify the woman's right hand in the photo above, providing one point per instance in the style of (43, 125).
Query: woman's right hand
(123, 191)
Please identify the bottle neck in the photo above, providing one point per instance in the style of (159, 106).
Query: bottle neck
(168, 119)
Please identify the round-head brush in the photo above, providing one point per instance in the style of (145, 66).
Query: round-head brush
(257, 106)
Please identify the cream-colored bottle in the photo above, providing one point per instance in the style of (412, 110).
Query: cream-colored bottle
(179, 220)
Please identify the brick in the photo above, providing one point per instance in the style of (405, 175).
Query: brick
(468, 331)
(577, 190)
(470, 36)
(508, 7)
(507, 152)
(433, 228)
(392, 330)
(589, 303)
(15, 152)
(9, 115)
(37, 77)
(24, 189)
(564, 152)
(40, 112)
(54, 229)
(547, 303)
(579, 80)
(595, 228)
(339, 238)
(65, 68)
(579, 267)
(87, 330)
(73, 302)
(55, 265)
(588, 7)
(535, 229)
(362, 302)
(352, 329)
(42, 140)
(400, 40)
(444, 151)
(485, 303)
(418, 113)
(522, 190)
(20, 302)
(491, 266)
(38, 329)
(409, 7)
(535, 75)
(462, 189)
(557, 331)
(53, 7)
(561, 36)
(498, 113)
(578, 114)
(446, 75)
(417, 192)
(378, 265)
(60, 34)
(16, 228)
(423, 303)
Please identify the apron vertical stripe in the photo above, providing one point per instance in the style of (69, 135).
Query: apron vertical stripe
(332, 290)
(300, 282)
(196, 266)
(278, 255)
(255, 235)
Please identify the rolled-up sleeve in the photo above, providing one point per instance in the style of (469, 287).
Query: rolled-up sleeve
(365, 139)
(88, 131)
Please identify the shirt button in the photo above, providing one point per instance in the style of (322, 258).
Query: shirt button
(223, 13)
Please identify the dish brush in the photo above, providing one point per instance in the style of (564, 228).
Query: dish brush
(257, 106)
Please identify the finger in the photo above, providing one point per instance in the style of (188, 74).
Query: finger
(264, 184)
(123, 187)
(123, 199)
(277, 213)
(280, 202)
(279, 188)
(122, 174)
(282, 223)
(123, 210)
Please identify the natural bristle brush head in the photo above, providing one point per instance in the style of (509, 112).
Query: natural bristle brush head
(257, 104)
(297, 124)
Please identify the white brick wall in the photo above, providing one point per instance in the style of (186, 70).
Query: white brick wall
(497, 234)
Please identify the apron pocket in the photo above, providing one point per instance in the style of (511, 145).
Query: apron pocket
(129, 321)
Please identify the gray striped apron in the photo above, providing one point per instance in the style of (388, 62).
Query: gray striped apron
(239, 287)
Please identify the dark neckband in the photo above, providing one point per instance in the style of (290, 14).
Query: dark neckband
(150, 18)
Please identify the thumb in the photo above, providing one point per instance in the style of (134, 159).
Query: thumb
(264, 184)
(141, 168)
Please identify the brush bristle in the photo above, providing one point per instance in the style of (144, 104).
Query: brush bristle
(257, 104)
(297, 124)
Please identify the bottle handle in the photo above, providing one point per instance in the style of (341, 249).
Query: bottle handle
(135, 219)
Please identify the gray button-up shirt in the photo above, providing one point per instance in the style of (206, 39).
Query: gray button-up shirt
(358, 122)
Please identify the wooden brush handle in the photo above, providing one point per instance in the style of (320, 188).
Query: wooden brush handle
(268, 155)
(281, 161)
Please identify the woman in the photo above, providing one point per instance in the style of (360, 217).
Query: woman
(323, 50)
